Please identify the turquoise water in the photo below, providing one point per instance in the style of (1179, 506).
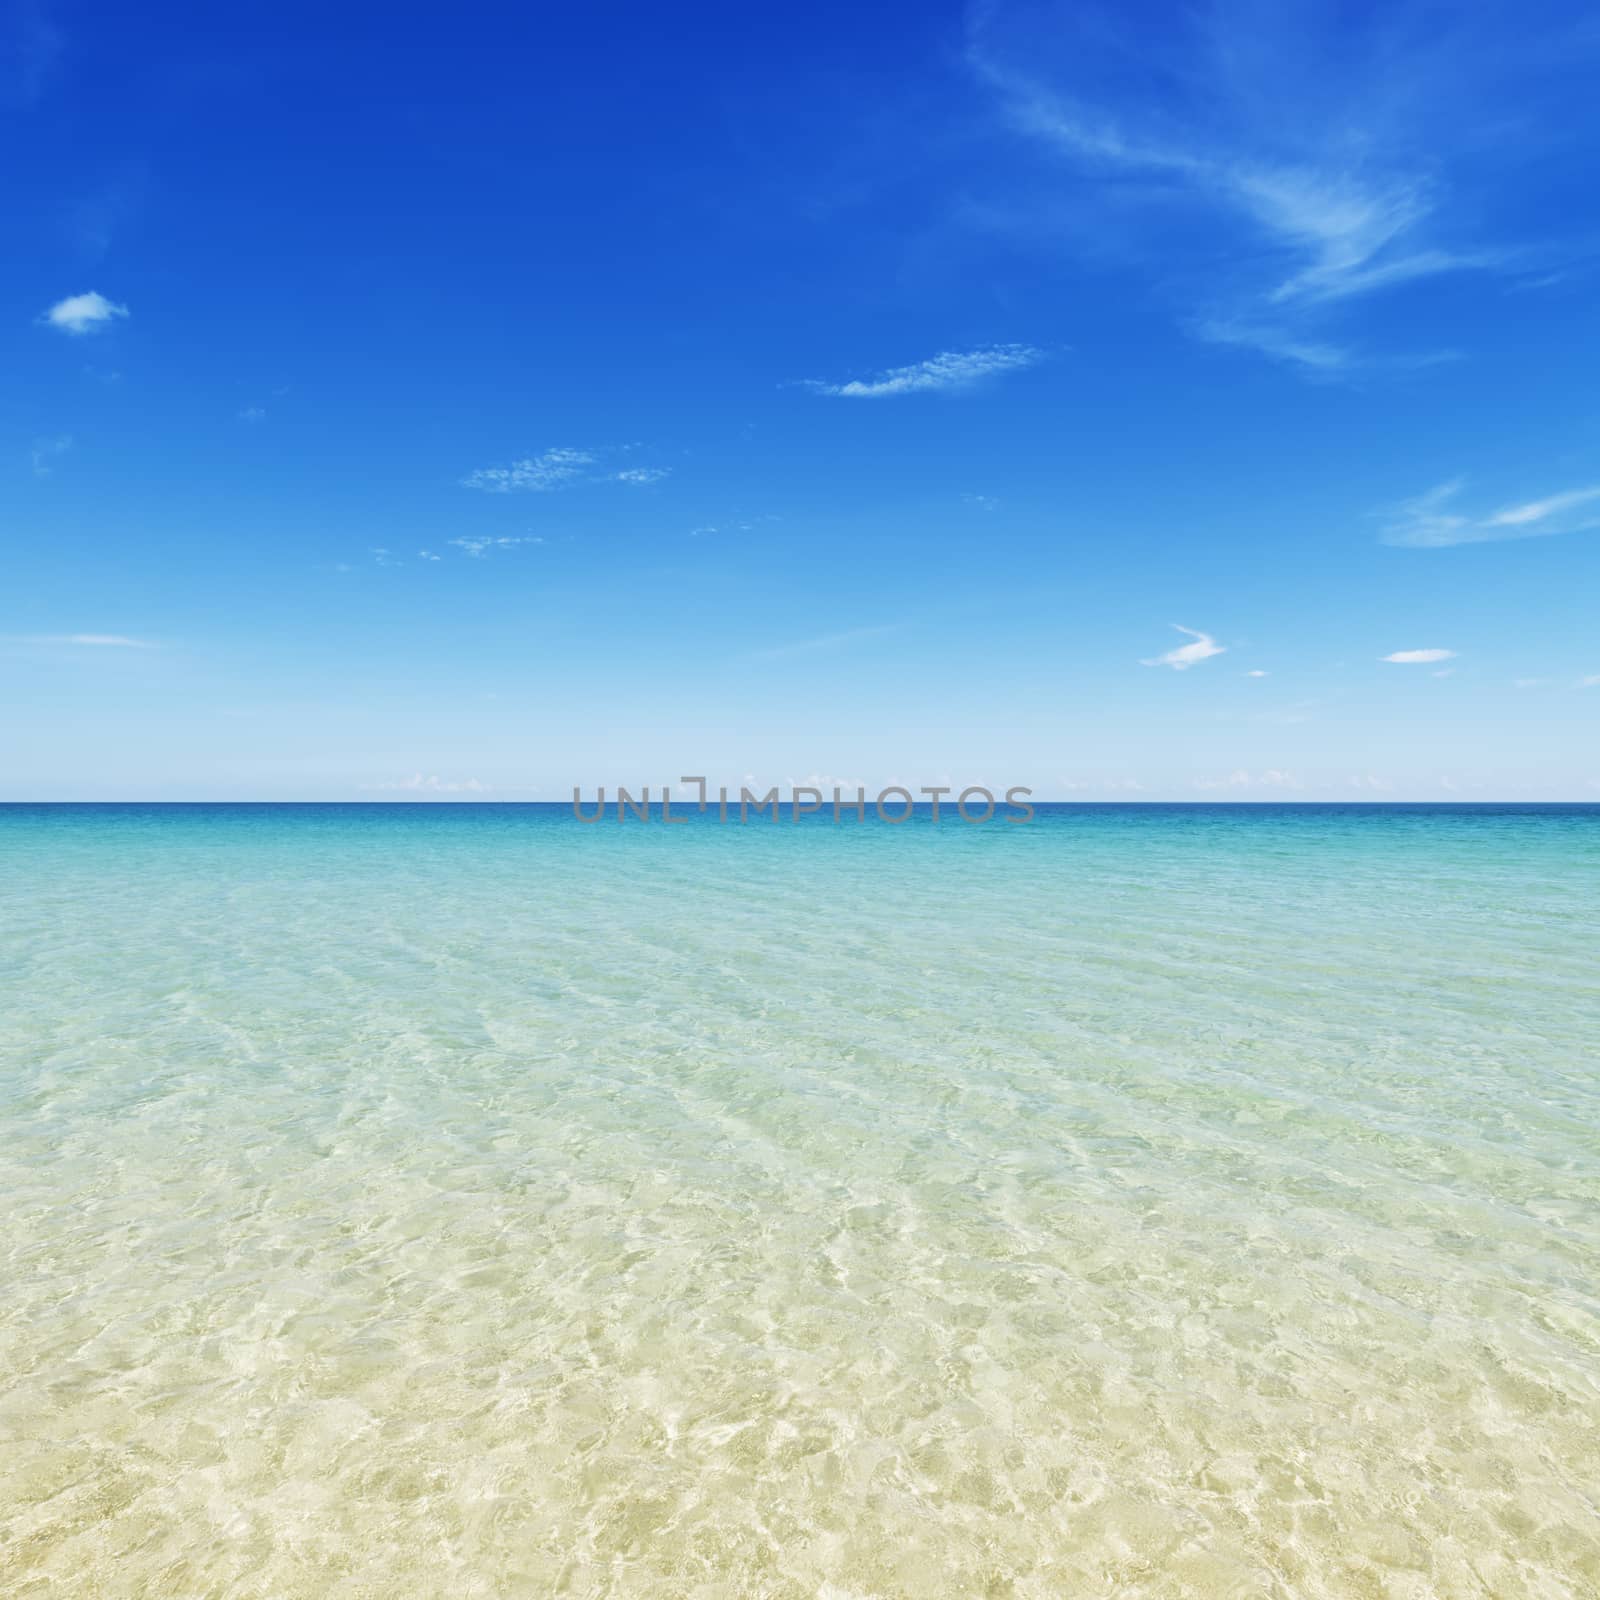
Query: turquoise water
(458, 1201)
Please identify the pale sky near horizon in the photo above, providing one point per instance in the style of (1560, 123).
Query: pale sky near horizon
(1130, 402)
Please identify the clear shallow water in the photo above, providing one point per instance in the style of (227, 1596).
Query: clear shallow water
(459, 1201)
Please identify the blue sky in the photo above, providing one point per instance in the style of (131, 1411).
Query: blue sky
(1110, 399)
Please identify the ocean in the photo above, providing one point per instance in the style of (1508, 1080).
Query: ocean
(457, 1200)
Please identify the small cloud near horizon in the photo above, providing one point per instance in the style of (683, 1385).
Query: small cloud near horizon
(1272, 778)
(432, 784)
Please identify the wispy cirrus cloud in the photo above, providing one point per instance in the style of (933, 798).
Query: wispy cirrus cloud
(115, 641)
(47, 452)
(737, 525)
(97, 215)
(83, 313)
(950, 369)
(552, 470)
(1432, 520)
(825, 642)
(30, 45)
(1590, 680)
(1269, 166)
(482, 546)
(1315, 355)
(1181, 657)
(1417, 658)
(561, 468)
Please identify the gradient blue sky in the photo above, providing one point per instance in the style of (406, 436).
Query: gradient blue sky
(403, 401)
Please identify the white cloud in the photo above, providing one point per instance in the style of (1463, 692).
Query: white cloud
(480, 547)
(252, 414)
(1592, 681)
(643, 474)
(433, 784)
(1256, 672)
(824, 781)
(1106, 785)
(742, 526)
(948, 370)
(94, 640)
(548, 471)
(83, 313)
(1430, 522)
(1181, 657)
(1272, 778)
(1406, 658)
